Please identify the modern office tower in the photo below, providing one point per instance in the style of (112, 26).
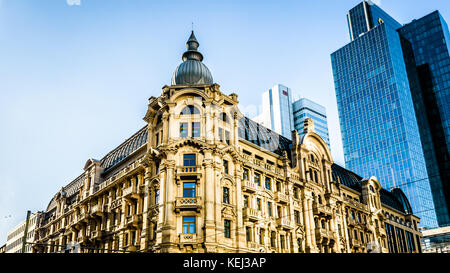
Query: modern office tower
(380, 133)
(277, 110)
(425, 44)
(305, 108)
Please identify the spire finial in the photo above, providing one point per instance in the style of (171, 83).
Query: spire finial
(192, 26)
(192, 53)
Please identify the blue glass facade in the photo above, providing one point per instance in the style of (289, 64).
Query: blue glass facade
(303, 109)
(378, 123)
(426, 44)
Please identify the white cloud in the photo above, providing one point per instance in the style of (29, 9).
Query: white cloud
(73, 2)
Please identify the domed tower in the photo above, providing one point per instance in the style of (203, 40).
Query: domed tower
(192, 71)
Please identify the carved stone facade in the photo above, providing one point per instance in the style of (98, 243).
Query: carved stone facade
(201, 177)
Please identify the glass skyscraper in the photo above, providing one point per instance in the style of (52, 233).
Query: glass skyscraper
(426, 49)
(281, 115)
(379, 128)
(277, 110)
(304, 108)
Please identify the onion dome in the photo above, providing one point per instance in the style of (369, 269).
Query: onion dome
(192, 70)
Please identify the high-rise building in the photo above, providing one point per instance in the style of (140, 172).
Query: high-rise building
(304, 108)
(426, 48)
(281, 115)
(276, 111)
(201, 177)
(380, 132)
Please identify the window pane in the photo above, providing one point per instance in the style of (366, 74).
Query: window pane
(183, 129)
(188, 189)
(195, 129)
(189, 160)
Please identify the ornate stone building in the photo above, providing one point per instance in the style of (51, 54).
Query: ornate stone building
(201, 177)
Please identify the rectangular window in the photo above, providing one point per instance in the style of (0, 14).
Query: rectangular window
(269, 208)
(261, 236)
(189, 162)
(279, 214)
(157, 139)
(225, 166)
(268, 182)
(245, 201)
(220, 134)
(188, 189)
(226, 195)
(195, 129)
(188, 224)
(227, 228)
(184, 129)
(248, 234)
(297, 217)
(245, 176)
(282, 241)
(257, 179)
(258, 204)
(272, 239)
(227, 137)
(156, 197)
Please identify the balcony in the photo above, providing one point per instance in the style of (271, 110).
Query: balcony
(83, 217)
(130, 193)
(133, 220)
(356, 243)
(252, 245)
(249, 186)
(322, 209)
(281, 198)
(285, 223)
(188, 238)
(189, 171)
(322, 233)
(186, 203)
(97, 234)
(82, 238)
(252, 215)
(116, 204)
(99, 210)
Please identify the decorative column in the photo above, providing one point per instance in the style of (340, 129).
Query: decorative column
(168, 228)
(146, 203)
(240, 232)
(209, 201)
(307, 222)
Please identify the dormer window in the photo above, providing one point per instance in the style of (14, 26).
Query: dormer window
(190, 110)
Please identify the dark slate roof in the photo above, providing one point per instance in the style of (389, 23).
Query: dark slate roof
(125, 149)
(263, 137)
(395, 199)
(346, 177)
(390, 199)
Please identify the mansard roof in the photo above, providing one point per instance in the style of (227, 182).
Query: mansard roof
(263, 137)
(125, 149)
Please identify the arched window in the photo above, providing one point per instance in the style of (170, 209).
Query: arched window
(190, 110)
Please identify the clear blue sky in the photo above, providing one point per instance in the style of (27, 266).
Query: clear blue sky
(75, 79)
